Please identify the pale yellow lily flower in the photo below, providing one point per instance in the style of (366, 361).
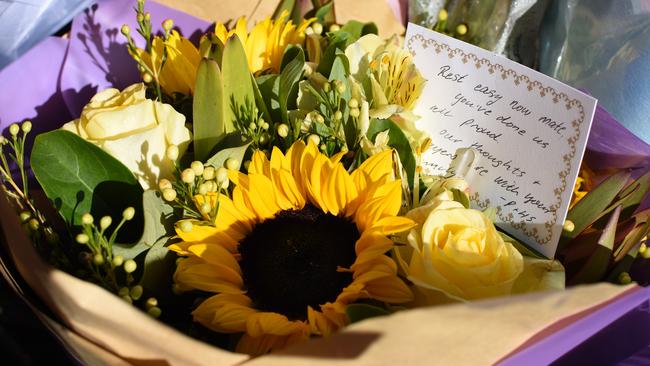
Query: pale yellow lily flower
(178, 74)
(267, 41)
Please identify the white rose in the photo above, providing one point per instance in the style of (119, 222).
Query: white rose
(134, 130)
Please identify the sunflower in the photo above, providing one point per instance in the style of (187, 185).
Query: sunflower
(298, 240)
(267, 41)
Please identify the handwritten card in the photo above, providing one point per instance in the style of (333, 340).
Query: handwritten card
(527, 132)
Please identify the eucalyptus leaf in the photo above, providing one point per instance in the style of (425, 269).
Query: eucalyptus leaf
(236, 80)
(159, 266)
(359, 312)
(209, 107)
(79, 177)
(398, 141)
(231, 147)
(158, 226)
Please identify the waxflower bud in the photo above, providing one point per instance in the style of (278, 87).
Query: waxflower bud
(87, 219)
(136, 292)
(128, 213)
(208, 173)
(205, 208)
(442, 15)
(224, 185)
(335, 28)
(147, 78)
(338, 115)
(327, 87)
(168, 24)
(197, 167)
(82, 238)
(147, 17)
(188, 176)
(98, 259)
(204, 188)
(340, 87)
(151, 302)
(185, 226)
(169, 194)
(354, 112)
(33, 224)
(319, 118)
(461, 29)
(569, 226)
(283, 130)
(123, 291)
(14, 129)
(314, 139)
(232, 164)
(118, 260)
(126, 30)
(130, 266)
(222, 175)
(154, 312)
(164, 184)
(252, 126)
(353, 103)
(172, 152)
(140, 17)
(265, 126)
(317, 27)
(26, 127)
(105, 222)
(25, 216)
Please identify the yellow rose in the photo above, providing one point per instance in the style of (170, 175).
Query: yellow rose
(134, 130)
(458, 252)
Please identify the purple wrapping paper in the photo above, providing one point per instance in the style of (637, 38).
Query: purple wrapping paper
(51, 84)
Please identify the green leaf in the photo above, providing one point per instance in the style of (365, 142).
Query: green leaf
(289, 79)
(460, 197)
(623, 265)
(589, 208)
(231, 146)
(79, 177)
(210, 122)
(325, 13)
(292, 7)
(358, 29)
(236, 75)
(159, 266)
(596, 266)
(158, 226)
(398, 141)
(359, 312)
(260, 101)
(337, 41)
(269, 87)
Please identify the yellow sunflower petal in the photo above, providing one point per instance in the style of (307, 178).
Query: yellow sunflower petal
(259, 324)
(390, 289)
(226, 313)
(195, 273)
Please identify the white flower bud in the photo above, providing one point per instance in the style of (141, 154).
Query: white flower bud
(82, 238)
(232, 164)
(118, 260)
(265, 126)
(208, 173)
(354, 112)
(14, 129)
(164, 184)
(105, 222)
(128, 213)
(353, 103)
(87, 219)
(335, 28)
(169, 194)
(197, 167)
(185, 226)
(224, 185)
(172, 152)
(222, 175)
(283, 130)
(130, 266)
(338, 115)
(188, 176)
(204, 188)
(314, 139)
(26, 127)
(126, 30)
(151, 302)
(317, 27)
(205, 208)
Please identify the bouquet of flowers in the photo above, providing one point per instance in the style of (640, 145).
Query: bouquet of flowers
(263, 185)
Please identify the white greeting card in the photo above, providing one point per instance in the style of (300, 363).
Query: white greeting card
(527, 131)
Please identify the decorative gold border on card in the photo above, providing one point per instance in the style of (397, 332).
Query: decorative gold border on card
(532, 86)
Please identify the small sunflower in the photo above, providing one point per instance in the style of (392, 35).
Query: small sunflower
(299, 239)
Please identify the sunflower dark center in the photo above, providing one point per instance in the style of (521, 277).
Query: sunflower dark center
(290, 261)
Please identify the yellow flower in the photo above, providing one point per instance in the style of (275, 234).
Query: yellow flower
(299, 239)
(582, 187)
(266, 42)
(458, 252)
(178, 74)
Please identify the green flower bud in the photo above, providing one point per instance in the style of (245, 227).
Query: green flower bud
(317, 27)
(25, 216)
(14, 129)
(128, 213)
(340, 87)
(205, 208)
(327, 87)
(624, 278)
(130, 266)
(461, 29)
(127, 299)
(126, 30)
(265, 126)
(98, 259)
(105, 222)
(335, 28)
(118, 260)
(136, 292)
(33, 224)
(338, 115)
(123, 291)
(354, 112)
(87, 219)
(154, 311)
(252, 126)
(168, 24)
(147, 78)
(26, 127)
(151, 302)
(82, 238)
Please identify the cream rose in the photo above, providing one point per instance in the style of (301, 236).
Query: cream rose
(458, 252)
(134, 130)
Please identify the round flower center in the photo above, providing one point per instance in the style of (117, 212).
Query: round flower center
(290, 262)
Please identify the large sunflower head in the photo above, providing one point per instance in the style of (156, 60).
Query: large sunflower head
(298, 239)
